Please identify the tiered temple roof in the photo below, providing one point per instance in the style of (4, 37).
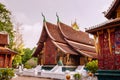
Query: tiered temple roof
(66, 39)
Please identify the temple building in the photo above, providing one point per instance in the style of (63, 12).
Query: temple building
(107, 36)
(62, 42)
(6, 55)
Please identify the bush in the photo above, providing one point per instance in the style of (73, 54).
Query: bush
(92, 66)
(28, 66)
(6, 73)
(77, 76)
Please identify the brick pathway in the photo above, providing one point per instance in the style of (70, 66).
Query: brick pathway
(29, 78)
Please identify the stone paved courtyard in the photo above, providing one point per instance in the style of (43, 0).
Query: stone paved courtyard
(29, 78)
(35, 78)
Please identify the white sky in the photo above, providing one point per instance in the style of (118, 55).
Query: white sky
(28, 12)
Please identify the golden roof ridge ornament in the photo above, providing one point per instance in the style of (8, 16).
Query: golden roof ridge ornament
(44, 20)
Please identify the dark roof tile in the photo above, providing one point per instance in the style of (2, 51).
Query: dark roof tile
(77, 36)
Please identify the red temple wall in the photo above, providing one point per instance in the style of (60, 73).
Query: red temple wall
(117, 49)
(109, 52)
(49, 53)
(100, 55)
(5, 60)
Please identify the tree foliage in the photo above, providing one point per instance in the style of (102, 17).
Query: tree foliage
(18, 44)
(92, 66)
(6, 73)
(15, 37)
(27, 55)
(6, 24)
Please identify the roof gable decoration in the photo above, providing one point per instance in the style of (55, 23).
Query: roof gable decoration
(75, 26)
(112, 12)
(58, 20)
(44, 20)
(45, 25)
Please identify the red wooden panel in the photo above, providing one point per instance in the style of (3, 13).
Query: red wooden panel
(117, 42)
(112, 57)
(117, 49)
(100, 54)
(50, 53)
(3, 39)
(2, 60)
(8, 61)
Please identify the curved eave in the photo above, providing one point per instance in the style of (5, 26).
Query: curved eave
(112, 9)
(43, 35)
(7, 51)
(38, 49)
(65, 48)
(81, 46)
(47, 29)
(88, 54)
(93, 54)
(54, 32)
(108, 24)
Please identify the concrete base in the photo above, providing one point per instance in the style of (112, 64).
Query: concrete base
(108, 74)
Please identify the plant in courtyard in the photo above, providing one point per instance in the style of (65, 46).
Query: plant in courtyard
(92, 66)
(27, 54)
(28, 66)
(77, 76)
(6, 73)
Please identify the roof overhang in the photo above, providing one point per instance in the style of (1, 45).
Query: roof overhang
(65, 48)
(106, 25)
(112, 8)
(81, 46)
(4, 50)
(88, 54)
(38, 49)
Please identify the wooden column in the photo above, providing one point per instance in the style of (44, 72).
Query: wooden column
(11, 59)
(67, 62)
(5, 63)
(118, 12)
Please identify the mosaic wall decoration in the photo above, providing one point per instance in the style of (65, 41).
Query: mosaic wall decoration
(117, 42)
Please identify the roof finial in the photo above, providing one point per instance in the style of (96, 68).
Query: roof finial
(43, 17)
(57, 17)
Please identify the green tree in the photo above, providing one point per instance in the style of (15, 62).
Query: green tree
(6, 24)
(18, 44)
(27, 55)
(17, 60)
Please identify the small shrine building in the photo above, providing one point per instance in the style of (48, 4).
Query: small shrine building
(63, 42)
(107, 36)
(6, 55)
